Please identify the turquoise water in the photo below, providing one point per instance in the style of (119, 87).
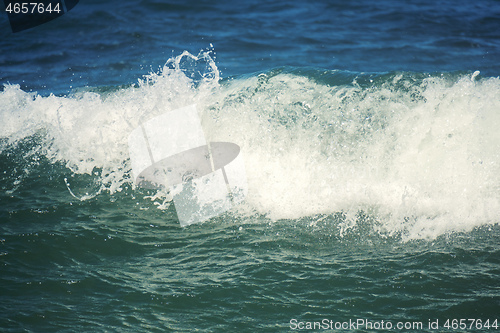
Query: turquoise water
(372, 164)
(118, 272)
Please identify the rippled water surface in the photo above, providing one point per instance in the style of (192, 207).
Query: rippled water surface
(369, 132)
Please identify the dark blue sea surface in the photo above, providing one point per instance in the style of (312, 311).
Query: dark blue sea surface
(115, 42)
(370, 137)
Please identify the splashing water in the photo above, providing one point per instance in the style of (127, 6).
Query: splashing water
(417, 152)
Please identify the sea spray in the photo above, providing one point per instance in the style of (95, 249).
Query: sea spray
(417, 153)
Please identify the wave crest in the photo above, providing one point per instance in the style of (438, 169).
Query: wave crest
(418, 152)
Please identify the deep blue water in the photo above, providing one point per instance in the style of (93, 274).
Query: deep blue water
(369, 132)
(115, 42)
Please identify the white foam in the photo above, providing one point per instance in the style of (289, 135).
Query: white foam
(421, 155)
(424, 159)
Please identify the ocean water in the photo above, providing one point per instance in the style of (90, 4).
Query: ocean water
(369, 132)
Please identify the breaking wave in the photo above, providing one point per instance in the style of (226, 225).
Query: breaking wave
(416, 152)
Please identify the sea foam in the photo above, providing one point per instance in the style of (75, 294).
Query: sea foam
(418, 152)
